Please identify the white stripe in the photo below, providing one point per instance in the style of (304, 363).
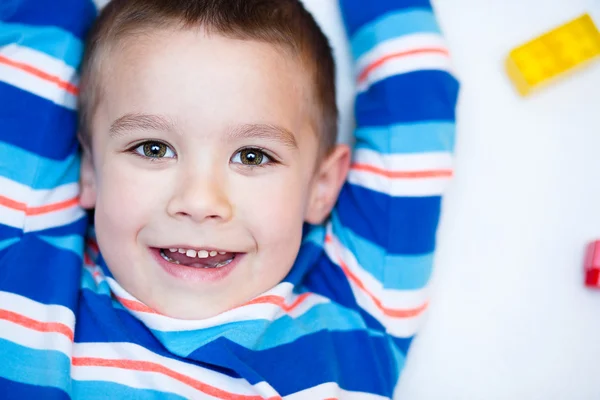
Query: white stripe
(43, 313)
(399, 327)
(38, 86)
(14, 190)
(36, 198)
(134, 352)
(53, 219)
(425, 186)
(404, 162)
(138, 380)
(262, 311)
(399, 187)
(11, 217)
(17, 219)
(331, 390)
(26, 337)
(58, 194)
(40, 61)
(389, 298)
(35, 310)
(402, 65)
(401, 45)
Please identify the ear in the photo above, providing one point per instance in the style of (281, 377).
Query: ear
(87, 181)
(327, 183)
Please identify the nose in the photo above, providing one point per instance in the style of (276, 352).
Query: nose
(200, 196)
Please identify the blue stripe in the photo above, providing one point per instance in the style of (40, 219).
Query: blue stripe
(50, 40)
(403, 343)
(421, 137)
(72, 243)
(91, 390)
(401, 225)
(270, 334)
(74, 16)
(357, 13)
(36, 124)
(9, 233)
(315, 234)
(390, 26)
(17, 391)
(23, 167)
(8, 242)
(77, 227)
(37, 270)
(432, 98)
(399, 272)
(35, 367)
(356, 360)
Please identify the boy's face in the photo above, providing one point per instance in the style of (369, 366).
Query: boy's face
(207, 144)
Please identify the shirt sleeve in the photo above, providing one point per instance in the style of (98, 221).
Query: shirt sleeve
(382, 230)
(42, 226)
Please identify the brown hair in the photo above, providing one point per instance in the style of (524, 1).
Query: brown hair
(285, 23)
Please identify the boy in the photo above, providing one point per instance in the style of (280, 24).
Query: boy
(208, 130)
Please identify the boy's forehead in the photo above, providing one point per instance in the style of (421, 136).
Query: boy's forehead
(192, 74)
(213, 47)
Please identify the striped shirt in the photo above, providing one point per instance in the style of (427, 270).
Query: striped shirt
(340, 324)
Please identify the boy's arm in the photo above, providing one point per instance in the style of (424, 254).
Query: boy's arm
(41, 223)
(384, 226)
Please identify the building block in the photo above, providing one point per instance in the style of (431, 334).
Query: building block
(592, 265)
(554, 54)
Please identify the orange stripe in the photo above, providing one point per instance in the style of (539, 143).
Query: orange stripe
(278, 301)
(52, 207)
(15, 205)
(390, 312)
(41, 74)
(271, 299)
(378, 63)
(439, 173)
(19, 319)
(147, 366)
(61, 205)
(135, 305)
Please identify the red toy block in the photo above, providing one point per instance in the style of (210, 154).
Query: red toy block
(592, 265)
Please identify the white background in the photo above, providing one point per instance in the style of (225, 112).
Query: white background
(510, 317)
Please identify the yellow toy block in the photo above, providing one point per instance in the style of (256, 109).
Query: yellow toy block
(553, 54)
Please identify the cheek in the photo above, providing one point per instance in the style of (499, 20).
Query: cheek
(274, 212)
(124, 203)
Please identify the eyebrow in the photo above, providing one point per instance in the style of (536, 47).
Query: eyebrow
(139, 121)
(264, 131)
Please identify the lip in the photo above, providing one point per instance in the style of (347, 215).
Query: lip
(192, 274)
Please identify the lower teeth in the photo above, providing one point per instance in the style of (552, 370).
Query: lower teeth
(219, 265)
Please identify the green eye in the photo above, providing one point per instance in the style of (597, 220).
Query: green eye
(250, 156)
(153, 149)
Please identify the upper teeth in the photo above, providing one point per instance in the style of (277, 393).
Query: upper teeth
(197, 253)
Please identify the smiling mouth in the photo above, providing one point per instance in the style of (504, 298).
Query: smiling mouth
(197, 259)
